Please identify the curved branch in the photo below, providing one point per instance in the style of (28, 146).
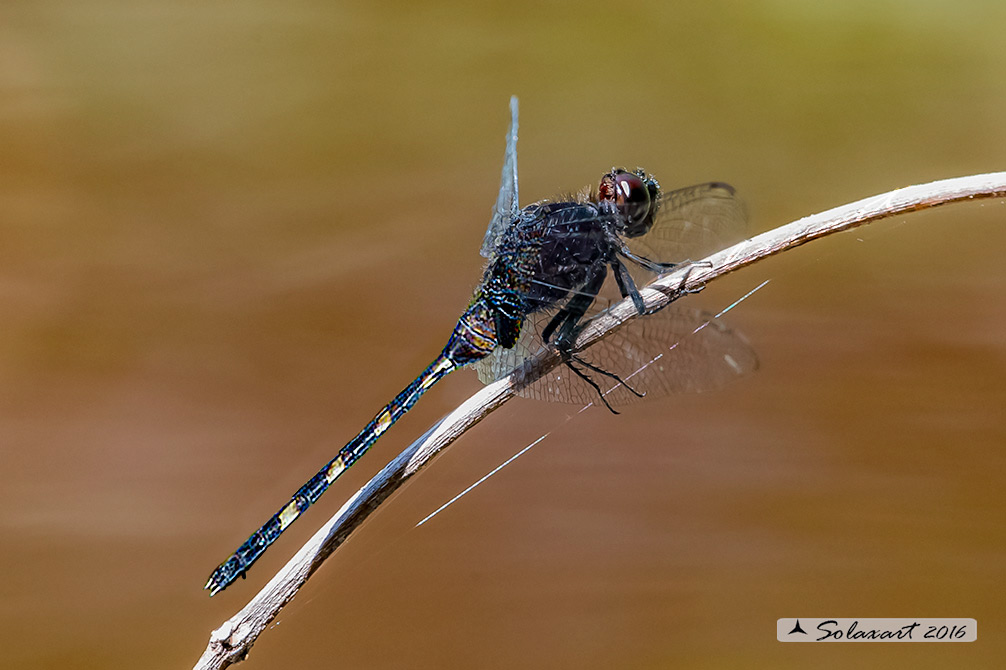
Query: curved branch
(231, 642)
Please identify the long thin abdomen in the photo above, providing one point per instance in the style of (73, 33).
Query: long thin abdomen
(255, 546)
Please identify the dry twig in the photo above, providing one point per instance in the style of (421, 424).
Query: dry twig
(231, 642)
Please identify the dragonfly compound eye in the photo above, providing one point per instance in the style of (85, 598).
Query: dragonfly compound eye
(632, 198)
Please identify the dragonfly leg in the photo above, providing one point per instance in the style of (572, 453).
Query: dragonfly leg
(626, 285)
(566, 323)
(586, 378)
(681, 290)
(601, 371)
(653, 266)
(569, 316)
(557, 320)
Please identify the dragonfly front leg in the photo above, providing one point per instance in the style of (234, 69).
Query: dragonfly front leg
(652, 266)
(655, 267)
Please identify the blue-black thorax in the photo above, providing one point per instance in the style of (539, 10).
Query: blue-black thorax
(547, 253)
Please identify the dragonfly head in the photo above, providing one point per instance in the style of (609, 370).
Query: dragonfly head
(636, 197)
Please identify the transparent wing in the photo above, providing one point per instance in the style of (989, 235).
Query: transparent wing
(692, 223)
(507, 203)
(676, 350)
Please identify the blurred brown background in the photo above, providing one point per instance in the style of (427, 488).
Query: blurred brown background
(230, 232)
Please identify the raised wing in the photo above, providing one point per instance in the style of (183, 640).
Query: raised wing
(507, 203)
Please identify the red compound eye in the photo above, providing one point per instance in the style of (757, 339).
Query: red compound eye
(632, 197)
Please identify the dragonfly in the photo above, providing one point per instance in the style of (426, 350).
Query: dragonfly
(546, 266)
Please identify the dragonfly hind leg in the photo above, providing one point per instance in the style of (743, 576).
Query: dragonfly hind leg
(582, 375)
(569, 358)
(567, 323)
(567, 318)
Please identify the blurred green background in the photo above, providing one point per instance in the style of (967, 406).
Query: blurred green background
(230, 232)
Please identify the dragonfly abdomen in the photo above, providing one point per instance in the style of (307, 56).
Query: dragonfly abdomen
(309, 493)
(473, 338)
